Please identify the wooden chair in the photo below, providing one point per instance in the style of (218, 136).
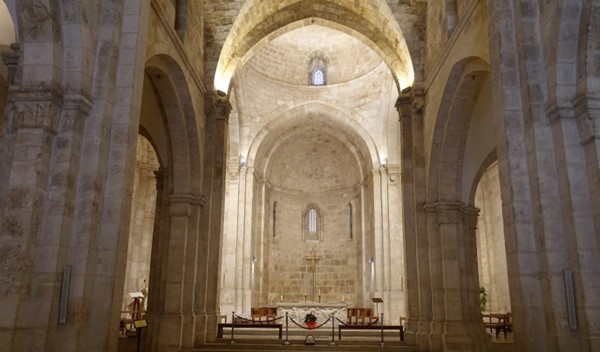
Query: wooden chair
(360, 316)
(263, 314)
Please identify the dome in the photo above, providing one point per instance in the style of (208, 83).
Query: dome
(287, 58)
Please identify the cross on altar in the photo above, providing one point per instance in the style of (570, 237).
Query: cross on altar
(313, 268)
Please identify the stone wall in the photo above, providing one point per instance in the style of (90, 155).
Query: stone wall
(337, 272)
(137, 272)
(491, 250)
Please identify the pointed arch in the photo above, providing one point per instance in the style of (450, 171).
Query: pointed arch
(183, 145)
(354, 135)
(451, 127)
(262, 20)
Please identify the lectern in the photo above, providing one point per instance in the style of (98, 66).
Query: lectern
(378, 300)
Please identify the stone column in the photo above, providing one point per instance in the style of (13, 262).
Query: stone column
(158, 261)
(33, 119)
(396, 271)
(453, 280)
(378, 233)
(409, 106)
(227, 289)
(587, 223)
(211, 219)
(178, 316)
(247, 243)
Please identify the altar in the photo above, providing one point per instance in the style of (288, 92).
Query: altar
(297, 310)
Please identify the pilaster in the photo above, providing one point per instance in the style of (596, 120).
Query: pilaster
(418, 326)
(217, 109)
(32, 118)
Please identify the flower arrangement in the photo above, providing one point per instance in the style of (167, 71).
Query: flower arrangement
(310, 317)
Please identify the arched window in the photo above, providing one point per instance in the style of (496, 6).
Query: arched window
(274, 219)
(318, 77)
(312, 220)
(350, 221)
(312, 224)
(317, 70)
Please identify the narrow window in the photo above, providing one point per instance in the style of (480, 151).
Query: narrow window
(312, 224)
(318, 77)
(312, 220)
(350, 220)
(274, 219)
(317, 70)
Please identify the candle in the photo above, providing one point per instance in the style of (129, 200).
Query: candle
(319, 292)
(281, 297)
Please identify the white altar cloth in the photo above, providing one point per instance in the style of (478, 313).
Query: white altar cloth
(297, 310)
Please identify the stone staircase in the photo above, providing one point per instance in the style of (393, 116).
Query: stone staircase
(250, 340)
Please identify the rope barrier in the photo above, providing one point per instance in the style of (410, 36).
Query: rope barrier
(306, 328)
(250, 321)
(376, 321)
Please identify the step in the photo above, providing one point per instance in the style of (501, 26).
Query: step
(320, 346)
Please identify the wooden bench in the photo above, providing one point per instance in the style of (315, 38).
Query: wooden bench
(360, 316)
(497, 322)
(400, 328)
(263, 325)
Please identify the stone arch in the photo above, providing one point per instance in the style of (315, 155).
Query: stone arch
(363, 145)
(489, 160)
(588, 58)
(38, 27)
(446, 158)
(562, 77)
(168, 82)
(451, 15)
(259, 20)
(8, 32)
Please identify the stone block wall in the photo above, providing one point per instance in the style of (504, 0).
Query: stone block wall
(491, 251)
(288, 273)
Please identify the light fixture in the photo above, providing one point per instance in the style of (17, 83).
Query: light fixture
(221, 93)
(242, 160)
(407, 90)
(384, 163)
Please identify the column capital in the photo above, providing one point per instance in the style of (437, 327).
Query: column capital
(447, 212)
(217, 105)
(587, 112)
(11, 61)
(36, 107)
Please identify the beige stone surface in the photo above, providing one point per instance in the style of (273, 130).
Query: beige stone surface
(483, 173)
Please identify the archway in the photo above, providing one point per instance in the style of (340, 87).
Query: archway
(249, 30)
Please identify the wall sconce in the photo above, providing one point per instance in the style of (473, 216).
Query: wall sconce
(221, 93)
(384, 163)
(242, 160)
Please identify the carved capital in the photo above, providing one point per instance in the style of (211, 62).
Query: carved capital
(11, 61)
(587, 112)
(447, 212)
(470, 215)
(35, 18)
(35, 107)
(234, 170)
(217, 106)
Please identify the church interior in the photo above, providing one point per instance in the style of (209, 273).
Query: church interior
(429, 164)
